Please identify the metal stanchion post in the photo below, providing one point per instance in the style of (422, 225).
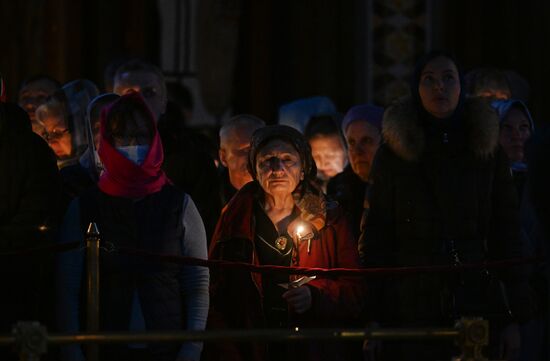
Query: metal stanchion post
(473, 337)
(31, 339)
(92, 287)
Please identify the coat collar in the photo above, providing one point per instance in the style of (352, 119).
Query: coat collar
(404, 133)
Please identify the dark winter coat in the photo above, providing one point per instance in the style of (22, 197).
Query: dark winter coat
(192, 170)
(441, 194)
(30, 190)
(236, 296)
(348, 190)
(29, 185)
(227, 191)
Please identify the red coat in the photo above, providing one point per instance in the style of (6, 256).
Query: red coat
(236, 296)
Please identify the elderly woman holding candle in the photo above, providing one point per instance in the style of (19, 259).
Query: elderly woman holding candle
(280, 219)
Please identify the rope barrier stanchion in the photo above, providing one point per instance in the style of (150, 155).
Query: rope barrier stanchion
(92, 287)
(31, 339)
(474, 335)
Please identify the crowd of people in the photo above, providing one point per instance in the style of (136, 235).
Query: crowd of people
(453, 174)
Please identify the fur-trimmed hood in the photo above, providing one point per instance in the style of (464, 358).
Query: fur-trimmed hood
(404, 133)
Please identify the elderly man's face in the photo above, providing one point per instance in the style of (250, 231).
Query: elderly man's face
(146, 83)
(279, 168)
(33, 95)
(329, 155)
(234, 148)
(363, 141)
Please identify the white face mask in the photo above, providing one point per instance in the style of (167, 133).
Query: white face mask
(135, 153)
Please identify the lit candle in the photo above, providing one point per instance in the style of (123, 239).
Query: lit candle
(299, 231)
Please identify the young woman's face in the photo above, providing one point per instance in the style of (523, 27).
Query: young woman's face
(439, 87)
(514, 132)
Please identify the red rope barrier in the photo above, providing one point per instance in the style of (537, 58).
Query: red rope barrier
(319, 272)
(324, 272)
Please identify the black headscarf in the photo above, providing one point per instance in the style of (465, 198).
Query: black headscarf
(415, 81)
(287, 134)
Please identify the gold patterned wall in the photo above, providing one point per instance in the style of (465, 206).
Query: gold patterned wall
(398, 35)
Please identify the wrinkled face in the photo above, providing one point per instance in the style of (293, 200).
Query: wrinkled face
(278, 168)
(514, 132)
(439, 87)
(363, 141)
(57, 135)
(234, 148)
(146, 83)
(329, 155)
(33, 95)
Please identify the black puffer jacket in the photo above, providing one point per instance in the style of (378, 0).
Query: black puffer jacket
(441, 193)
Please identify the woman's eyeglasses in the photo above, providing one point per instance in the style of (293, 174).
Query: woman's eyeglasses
(54, 134)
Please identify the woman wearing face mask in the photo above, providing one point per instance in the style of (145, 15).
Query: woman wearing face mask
(135, 206)
(442, 194)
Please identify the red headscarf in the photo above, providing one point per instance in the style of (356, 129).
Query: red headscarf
(121, 177)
